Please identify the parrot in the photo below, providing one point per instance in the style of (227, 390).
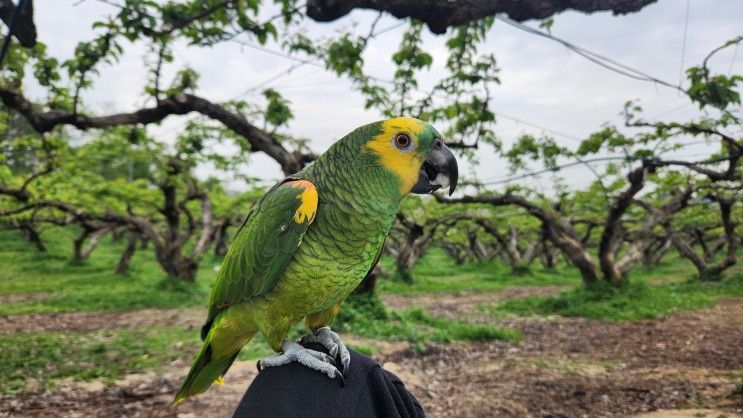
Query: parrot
(309, 241)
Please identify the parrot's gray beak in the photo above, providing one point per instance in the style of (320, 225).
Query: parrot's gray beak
(439, 170)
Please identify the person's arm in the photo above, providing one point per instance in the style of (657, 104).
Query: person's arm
(293, 390)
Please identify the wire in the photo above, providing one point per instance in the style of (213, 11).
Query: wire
(594, 57)
(278, 53)
(268, 80)
(598, 159)
(732, 60)
(299, 63)
(317, 64)
(683, 43)
(553, 169)
(11, 25)
(671, 110)
(389, 28)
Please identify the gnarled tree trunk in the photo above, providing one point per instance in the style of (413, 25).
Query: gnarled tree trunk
(92, 234)
(707, 271)
(369, 284)
(221, 243)
(126, 257)
(32, 235)
(557, 228)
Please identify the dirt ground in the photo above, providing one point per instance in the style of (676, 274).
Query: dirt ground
(91, 321)
(688, 365)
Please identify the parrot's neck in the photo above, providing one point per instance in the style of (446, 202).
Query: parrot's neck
(349, 174)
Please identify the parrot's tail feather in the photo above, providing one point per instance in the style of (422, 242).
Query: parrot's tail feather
(203, 373)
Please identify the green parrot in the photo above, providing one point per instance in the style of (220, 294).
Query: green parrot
(310, 240)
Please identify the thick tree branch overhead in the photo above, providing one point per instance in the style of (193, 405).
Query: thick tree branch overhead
(440, 14)
(24, 29)
(181, 104)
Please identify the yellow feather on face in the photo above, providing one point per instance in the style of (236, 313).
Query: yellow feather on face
(405, 165)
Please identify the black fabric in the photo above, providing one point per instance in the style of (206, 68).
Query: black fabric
(294, 390)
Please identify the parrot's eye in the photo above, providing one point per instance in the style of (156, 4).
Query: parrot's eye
(403, 141)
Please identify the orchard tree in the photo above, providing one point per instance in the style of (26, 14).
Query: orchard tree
(641, 158)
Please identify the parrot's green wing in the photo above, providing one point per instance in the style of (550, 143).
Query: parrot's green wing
(376, 260)
(264, 245)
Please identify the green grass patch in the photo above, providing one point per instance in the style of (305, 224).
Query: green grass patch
(362, 348)
(90, 285)
(436, 272)
(635, 301)
(107, 354)
(366, 316)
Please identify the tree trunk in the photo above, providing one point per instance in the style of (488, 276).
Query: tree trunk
(93, 235)
(557, 227)
(546, 255)
(653, 254)
(180, 267)
(131, 247)
(703, 243)
(406, 260)
(32, 235)
(572, 248)
(409, 251)
(455, 252)
(222, 241)
(77, 244)
(547, 258)
(612, 235)
(369, 284)
(705, 270)
(510, 245)
(477, 249)
(118, 233)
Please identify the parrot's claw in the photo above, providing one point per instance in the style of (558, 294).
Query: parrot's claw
(332, 342)
(294, 352)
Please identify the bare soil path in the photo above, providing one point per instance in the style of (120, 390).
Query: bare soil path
(444, 304)
(463, 304)
(92, 321)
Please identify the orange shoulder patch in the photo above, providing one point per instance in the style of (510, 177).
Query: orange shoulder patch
(308, 207)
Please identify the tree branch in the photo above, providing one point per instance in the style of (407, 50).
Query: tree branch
(613, 226)
(207, 228)
(440, 14)
(24, 29)
(181, 104)
(557, 228)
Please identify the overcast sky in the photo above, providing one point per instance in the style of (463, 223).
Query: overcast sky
(543, 83)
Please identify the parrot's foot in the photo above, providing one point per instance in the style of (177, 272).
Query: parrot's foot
(332, 342)
(294, 352)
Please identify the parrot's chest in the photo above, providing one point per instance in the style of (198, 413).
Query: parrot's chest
(333, 258)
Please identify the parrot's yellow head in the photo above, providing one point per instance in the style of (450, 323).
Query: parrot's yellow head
(415, 153)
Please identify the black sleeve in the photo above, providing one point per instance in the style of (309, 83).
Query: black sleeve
(294, 390)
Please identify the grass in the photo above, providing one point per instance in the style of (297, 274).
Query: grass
(107, 354)
(32, 359)
(366, 316)
(47, 357)
(638, 300)
(90, 285)
(436, 272)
